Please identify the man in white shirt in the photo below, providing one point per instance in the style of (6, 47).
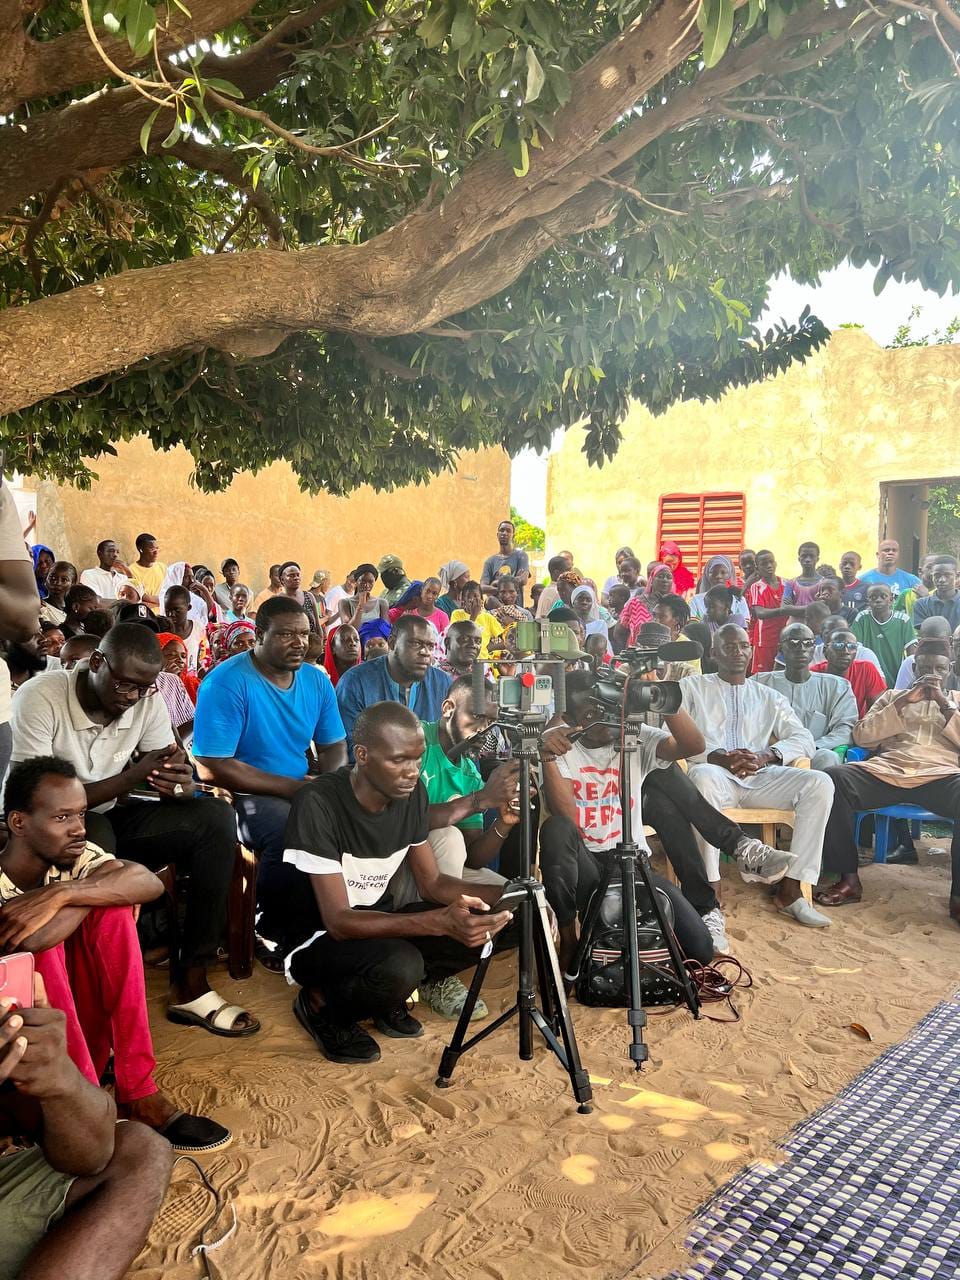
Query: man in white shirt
(110, 574)
(752, 734)
(19, 604)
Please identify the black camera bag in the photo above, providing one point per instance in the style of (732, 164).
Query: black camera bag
(603, 979)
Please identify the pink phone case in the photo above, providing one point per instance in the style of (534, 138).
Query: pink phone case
(16, 979)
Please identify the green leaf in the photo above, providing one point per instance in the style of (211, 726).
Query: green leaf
(141, 26)
(535, 76)
(754, 9)
(174, 136)
(433, 29)
(464, 23)
(145, 131)
(112, 23)
(521, 166)
(223, 87)
(717, 26)
(776, 19)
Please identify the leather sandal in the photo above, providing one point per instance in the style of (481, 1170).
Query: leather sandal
(837, 896)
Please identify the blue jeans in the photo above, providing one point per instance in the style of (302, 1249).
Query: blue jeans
(262, 822)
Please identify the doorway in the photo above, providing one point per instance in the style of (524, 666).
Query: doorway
(921, 515)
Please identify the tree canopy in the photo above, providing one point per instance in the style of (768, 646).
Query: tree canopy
(364, 235)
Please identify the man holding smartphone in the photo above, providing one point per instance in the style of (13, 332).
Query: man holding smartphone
(357, 956)
(914, 735)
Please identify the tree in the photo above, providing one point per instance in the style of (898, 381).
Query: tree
(366, 234)
(905, 336)
(526, 535)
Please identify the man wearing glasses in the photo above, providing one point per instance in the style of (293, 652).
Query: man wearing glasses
(103, 718)
(824, 703)
(840, 654)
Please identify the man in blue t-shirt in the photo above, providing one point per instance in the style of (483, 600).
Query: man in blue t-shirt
(887, 573)
(266, 723)
(403, 675)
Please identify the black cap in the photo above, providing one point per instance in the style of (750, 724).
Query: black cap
(138, 613)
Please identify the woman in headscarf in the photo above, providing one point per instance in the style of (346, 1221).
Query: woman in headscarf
(454, 576)
(43, 562)
(233, 638)
(639, 609)
(719, 572)
(421, 598)
(342, 651)
(172, 687)
(672, 557)
(567, 583)
(583, 601)
(174, 653)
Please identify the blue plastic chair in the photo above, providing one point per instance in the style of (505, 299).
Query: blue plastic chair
(914, 814)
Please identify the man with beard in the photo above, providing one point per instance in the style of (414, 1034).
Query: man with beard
(824, 703)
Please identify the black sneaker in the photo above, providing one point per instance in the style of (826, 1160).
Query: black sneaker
(398, 1024)
(338, 1041)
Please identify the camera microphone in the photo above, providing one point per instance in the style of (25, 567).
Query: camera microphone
(680, 651)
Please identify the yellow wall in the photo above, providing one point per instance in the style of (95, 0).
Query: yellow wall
(265, 518)
(808, 448)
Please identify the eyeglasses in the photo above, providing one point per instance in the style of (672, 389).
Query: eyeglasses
(126, 686)
(800, 643)
(844, 646)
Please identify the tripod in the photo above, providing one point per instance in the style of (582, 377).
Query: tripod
(536, 950)
(628, 856)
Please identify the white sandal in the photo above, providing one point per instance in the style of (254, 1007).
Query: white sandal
(214, 1014)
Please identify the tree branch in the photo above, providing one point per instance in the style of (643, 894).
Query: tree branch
(56, 66)
(222, 162)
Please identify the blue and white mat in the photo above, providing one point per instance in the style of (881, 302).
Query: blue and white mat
(871, 1186)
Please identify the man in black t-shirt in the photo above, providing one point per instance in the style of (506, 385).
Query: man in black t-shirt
(348, 833)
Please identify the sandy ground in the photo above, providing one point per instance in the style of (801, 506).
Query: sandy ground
(369, 1173)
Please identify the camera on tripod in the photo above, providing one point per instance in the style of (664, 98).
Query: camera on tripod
(536, 688)
(620, 691)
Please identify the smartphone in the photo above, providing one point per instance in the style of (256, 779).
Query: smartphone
(16, 979)
(510, 901)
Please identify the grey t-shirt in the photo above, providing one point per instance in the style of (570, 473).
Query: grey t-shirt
(48, 720)
(499, 566)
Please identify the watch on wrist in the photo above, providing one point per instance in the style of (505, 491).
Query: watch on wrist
(777, 754)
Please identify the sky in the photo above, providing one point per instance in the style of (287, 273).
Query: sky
(844, 296)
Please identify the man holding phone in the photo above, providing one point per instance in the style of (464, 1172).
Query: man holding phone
(78, 1192)
(104, 719)
(914, 735)
(356, 956)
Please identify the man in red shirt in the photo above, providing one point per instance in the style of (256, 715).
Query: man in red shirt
(841, 660)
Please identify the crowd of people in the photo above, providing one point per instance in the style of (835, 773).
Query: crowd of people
(152, 713)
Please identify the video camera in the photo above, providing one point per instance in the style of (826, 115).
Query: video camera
(619, 691)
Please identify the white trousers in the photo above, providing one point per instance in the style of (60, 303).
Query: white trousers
(450, 851)
(808, 792)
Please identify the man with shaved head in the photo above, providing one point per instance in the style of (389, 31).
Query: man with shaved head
(752, 737)
(355, 956)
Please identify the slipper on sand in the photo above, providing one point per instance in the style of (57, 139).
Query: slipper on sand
(837, 896)
(803, 913)
(194, 1134)
(214, 1014)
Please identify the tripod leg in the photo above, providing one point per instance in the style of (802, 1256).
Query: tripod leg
(551, 980)
(636, 1018)
(544, 984)
(526, 997)
(451, 1053)
(589, 920)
